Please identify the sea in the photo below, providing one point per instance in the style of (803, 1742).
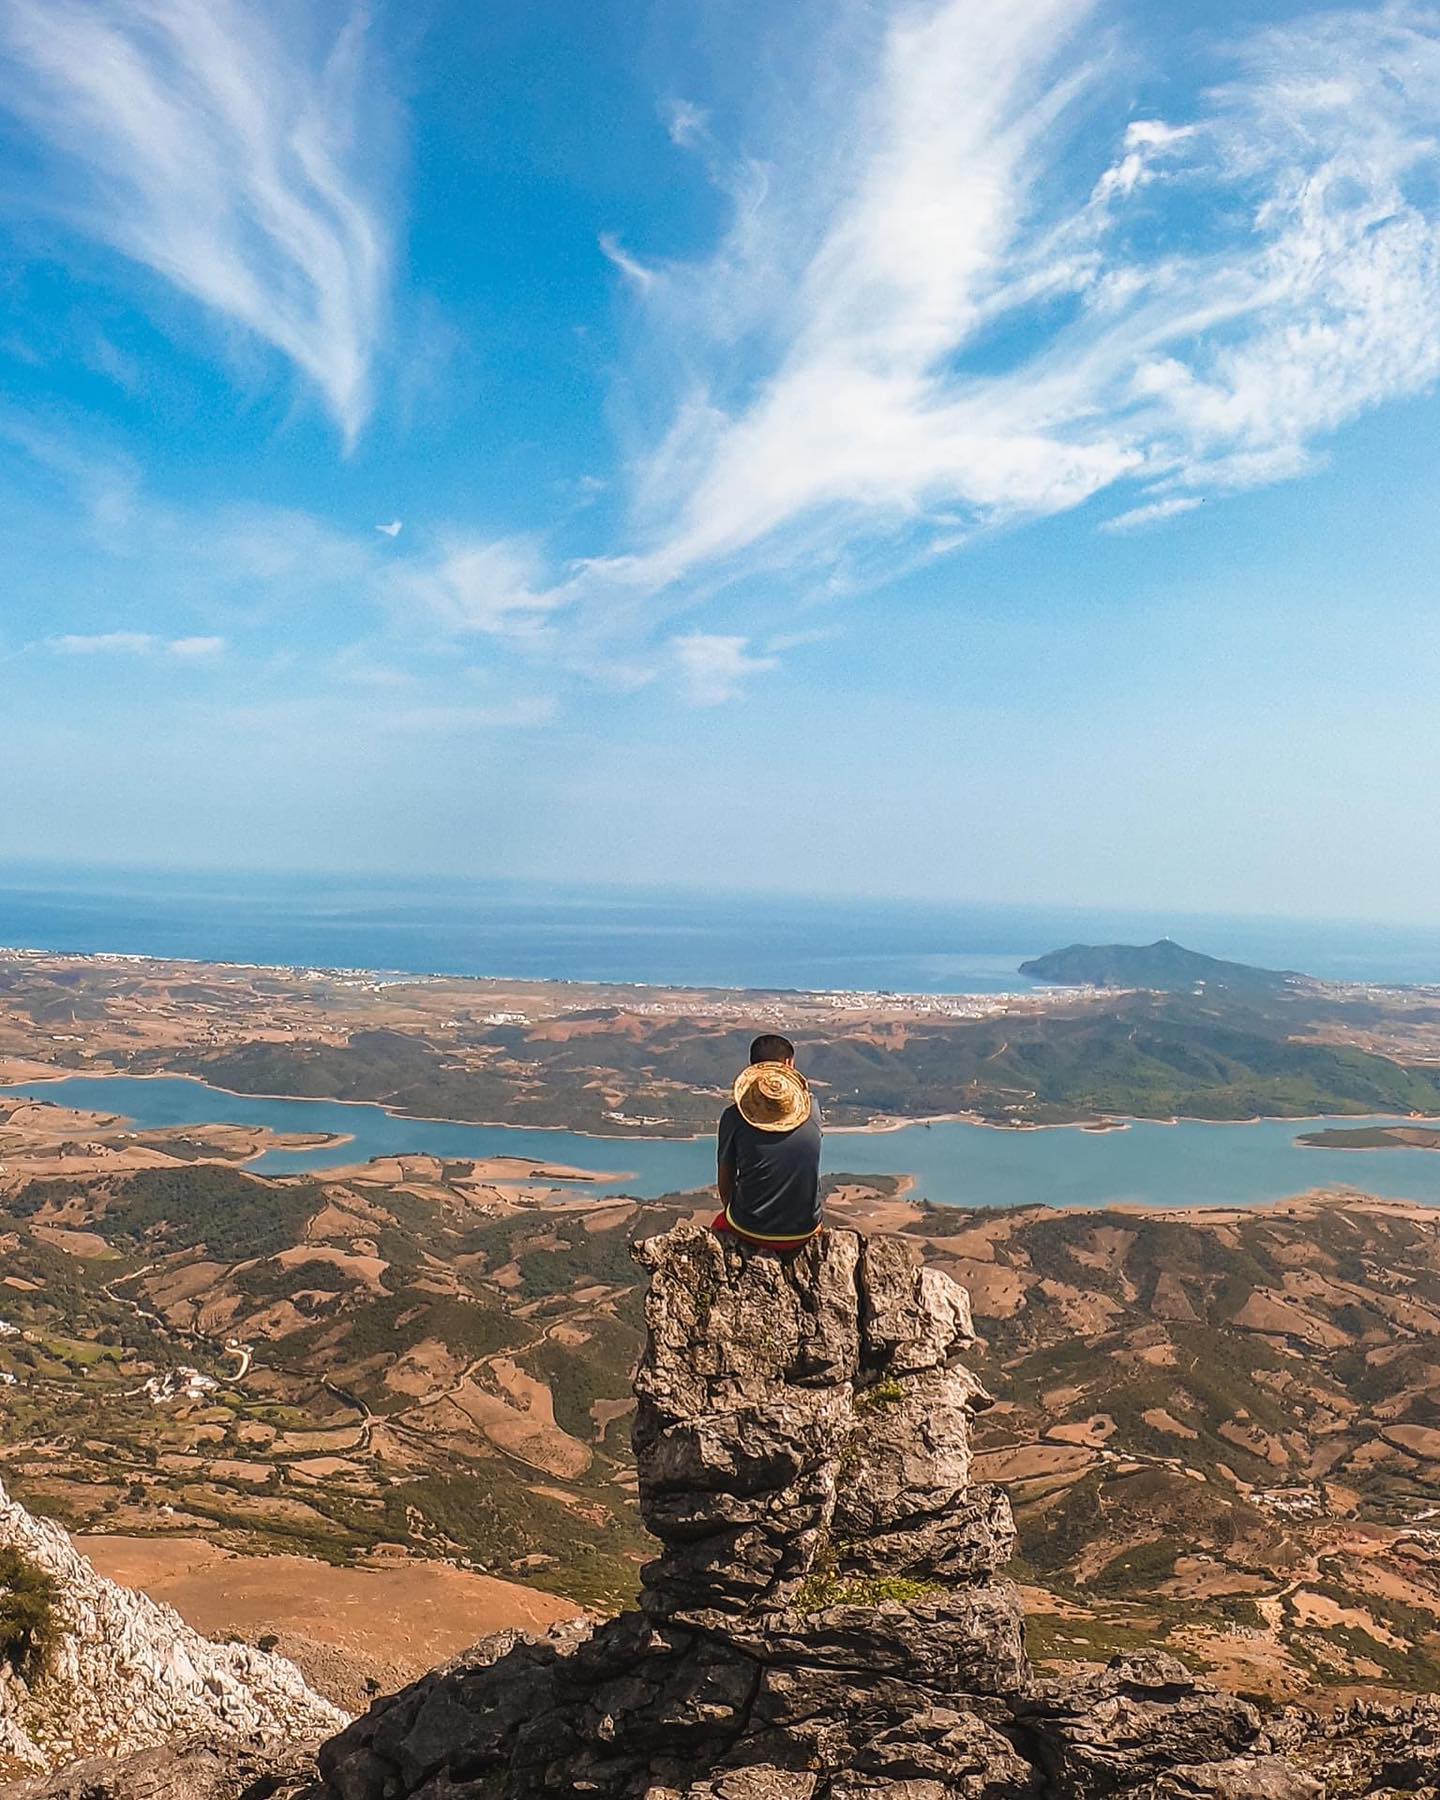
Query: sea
(519, 930)
(680, 938)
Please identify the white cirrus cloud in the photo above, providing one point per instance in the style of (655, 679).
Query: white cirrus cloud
(685, 122)
(490, 586)
(1154, 513)
(226, 147)
(1000, 296)
(715, 667)
(102, 643)
(629, 266)
(135, 643)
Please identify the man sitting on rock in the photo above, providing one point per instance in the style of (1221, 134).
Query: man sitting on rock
(768, 1163)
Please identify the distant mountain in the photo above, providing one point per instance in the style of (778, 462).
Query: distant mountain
(1164, 965)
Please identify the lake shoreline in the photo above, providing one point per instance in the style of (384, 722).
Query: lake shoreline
(887, 1124)
(953, 1162)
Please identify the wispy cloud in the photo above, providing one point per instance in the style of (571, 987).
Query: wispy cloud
(634, 270)
(135, 643)
(495, 587)
(1155, 513)
(686, 122)
(226, 147)
(102, 643)
(714, 668)
(1000, 296)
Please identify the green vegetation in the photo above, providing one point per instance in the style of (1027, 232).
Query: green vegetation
(408, 1074)
(1144, 1055)
(1140, 1569)
(1371, 1137)
(233, 1216)
(822, 1590)
(883, 1393)
(28, 1624)
(498, 1527)
(387, 1325)
(596, 1370)
(1049, 1637)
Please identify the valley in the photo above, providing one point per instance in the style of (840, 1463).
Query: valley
(372, 1410)
(1220, 1429)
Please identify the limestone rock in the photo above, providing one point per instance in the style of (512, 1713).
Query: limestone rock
(1243, 1778)
(1368, 1749)
(824, 1615)
(1143, 1716)
(127, 1673)
(202, 1768)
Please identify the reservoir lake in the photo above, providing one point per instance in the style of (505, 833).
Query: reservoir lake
(953, 1163)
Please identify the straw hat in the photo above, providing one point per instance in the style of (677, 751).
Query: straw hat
(772, 1096)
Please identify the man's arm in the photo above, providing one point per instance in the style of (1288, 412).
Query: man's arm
(725, 1159)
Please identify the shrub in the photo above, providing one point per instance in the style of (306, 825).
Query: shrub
(883, 1393)
(822, 1590)
(28, 1626)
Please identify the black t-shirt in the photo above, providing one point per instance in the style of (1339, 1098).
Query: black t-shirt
(777, 1174)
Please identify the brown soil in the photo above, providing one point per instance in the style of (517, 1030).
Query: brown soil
(392, 1622)
(1027, 1460)
(1159, 1420)
(74, 1243)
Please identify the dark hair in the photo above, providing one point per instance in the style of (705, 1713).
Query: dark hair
(771, 1047)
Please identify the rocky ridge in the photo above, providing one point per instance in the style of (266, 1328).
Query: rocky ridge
(126, 1674)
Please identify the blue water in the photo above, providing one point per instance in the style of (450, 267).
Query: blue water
(681, 939)
(954, 1164)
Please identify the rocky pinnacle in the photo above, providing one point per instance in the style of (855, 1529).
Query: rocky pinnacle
(825, 1616)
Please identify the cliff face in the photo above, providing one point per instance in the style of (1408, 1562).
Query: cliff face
(126, 1674)
(825, 1618)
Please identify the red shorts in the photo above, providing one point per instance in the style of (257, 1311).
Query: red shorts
(725, 1226)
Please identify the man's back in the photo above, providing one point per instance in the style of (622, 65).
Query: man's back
(777, 1175)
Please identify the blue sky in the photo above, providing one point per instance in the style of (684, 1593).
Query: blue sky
(947, 448)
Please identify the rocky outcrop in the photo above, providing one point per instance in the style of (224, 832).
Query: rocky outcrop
(825, 1617)
(125, 1673)
(210, 1767)
(1366, 1749)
